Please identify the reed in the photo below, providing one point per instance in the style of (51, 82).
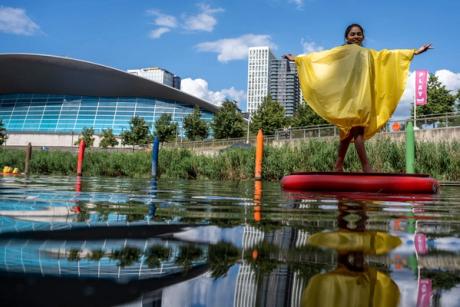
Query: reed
(441, 160)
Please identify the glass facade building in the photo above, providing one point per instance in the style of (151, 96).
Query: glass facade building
(158, 75)
(284, 85)
(51, 113)
(268, 75)
(45, 94)
(259, 65)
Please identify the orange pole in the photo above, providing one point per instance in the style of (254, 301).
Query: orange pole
(257, 201)
(81, 156)
(259, 154)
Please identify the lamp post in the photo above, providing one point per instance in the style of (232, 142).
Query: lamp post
(247, 135)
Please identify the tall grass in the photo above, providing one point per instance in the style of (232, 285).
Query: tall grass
(441, 160)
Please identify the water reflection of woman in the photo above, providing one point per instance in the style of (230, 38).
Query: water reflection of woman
(352, 282)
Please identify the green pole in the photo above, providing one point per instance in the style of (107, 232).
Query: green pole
(410, 148)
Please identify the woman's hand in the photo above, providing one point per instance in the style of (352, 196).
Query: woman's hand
(289, 57)
(422, 49)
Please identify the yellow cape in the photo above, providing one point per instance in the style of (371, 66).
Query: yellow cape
(353, 86)
(342, 287)
(368, 242)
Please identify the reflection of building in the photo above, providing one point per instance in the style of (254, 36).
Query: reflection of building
(48, 96)
(251, 236)
(282, 287)
(246, 283)
(76, 258)
(245, 287)
(153, 299)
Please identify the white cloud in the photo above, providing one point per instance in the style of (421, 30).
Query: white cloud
(16, 21)
(310, 46)
(204, 21)
(199, 88)
(163, 20)
(235, 48)
(448, 78)
(234, 94)
(157, 33)
(297, 3)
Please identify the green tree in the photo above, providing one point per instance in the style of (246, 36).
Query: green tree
(228, 121)
(305, 116)
(221, 257)
(457, 107)
(440, 99)
(87, 135)
(126, 256)
(195, 127)
(138, 133)
(165, 129)
(108, 139)
(187, 254)
(156, 254)
(74, 254)
(3, 135)
(269, 116)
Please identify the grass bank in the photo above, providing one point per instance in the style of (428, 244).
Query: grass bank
(441, 160)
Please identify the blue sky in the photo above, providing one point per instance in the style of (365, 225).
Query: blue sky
(205, 42)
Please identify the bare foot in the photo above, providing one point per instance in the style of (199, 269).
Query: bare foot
(338, 168)
(367, 169)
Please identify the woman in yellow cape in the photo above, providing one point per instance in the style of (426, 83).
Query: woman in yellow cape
(355, 88)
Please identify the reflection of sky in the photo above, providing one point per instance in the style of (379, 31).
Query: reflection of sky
(407, 284)
(213, 234)
(451, 297)
(451, 244)
(406, 279)
(203, 291)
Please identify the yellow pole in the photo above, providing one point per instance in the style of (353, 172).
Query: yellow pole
(259, 154)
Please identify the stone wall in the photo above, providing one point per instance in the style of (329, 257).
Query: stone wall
(45, 139)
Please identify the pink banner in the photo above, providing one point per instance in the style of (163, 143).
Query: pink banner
(424, 293)
(420, 243)
(421, 80)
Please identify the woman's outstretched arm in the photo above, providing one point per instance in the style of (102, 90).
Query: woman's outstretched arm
(289, 57)
(423, 48)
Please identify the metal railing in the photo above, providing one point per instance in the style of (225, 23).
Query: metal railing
(393, 126)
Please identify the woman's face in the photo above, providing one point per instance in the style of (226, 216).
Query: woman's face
(355, 36)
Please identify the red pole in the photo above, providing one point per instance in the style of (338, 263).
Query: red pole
(81, 156)
(78, 184)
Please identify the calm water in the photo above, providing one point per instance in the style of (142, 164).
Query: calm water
(106, 242)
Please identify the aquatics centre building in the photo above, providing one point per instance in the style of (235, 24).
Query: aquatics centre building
(50, 98)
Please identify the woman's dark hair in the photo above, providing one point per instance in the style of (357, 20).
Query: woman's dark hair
(348, 29)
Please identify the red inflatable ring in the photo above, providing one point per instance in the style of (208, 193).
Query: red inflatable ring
(360, 182)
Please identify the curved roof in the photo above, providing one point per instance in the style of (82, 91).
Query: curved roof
(34, 73)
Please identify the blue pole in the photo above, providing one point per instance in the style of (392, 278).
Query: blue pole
(152, 207)
(155, 149)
